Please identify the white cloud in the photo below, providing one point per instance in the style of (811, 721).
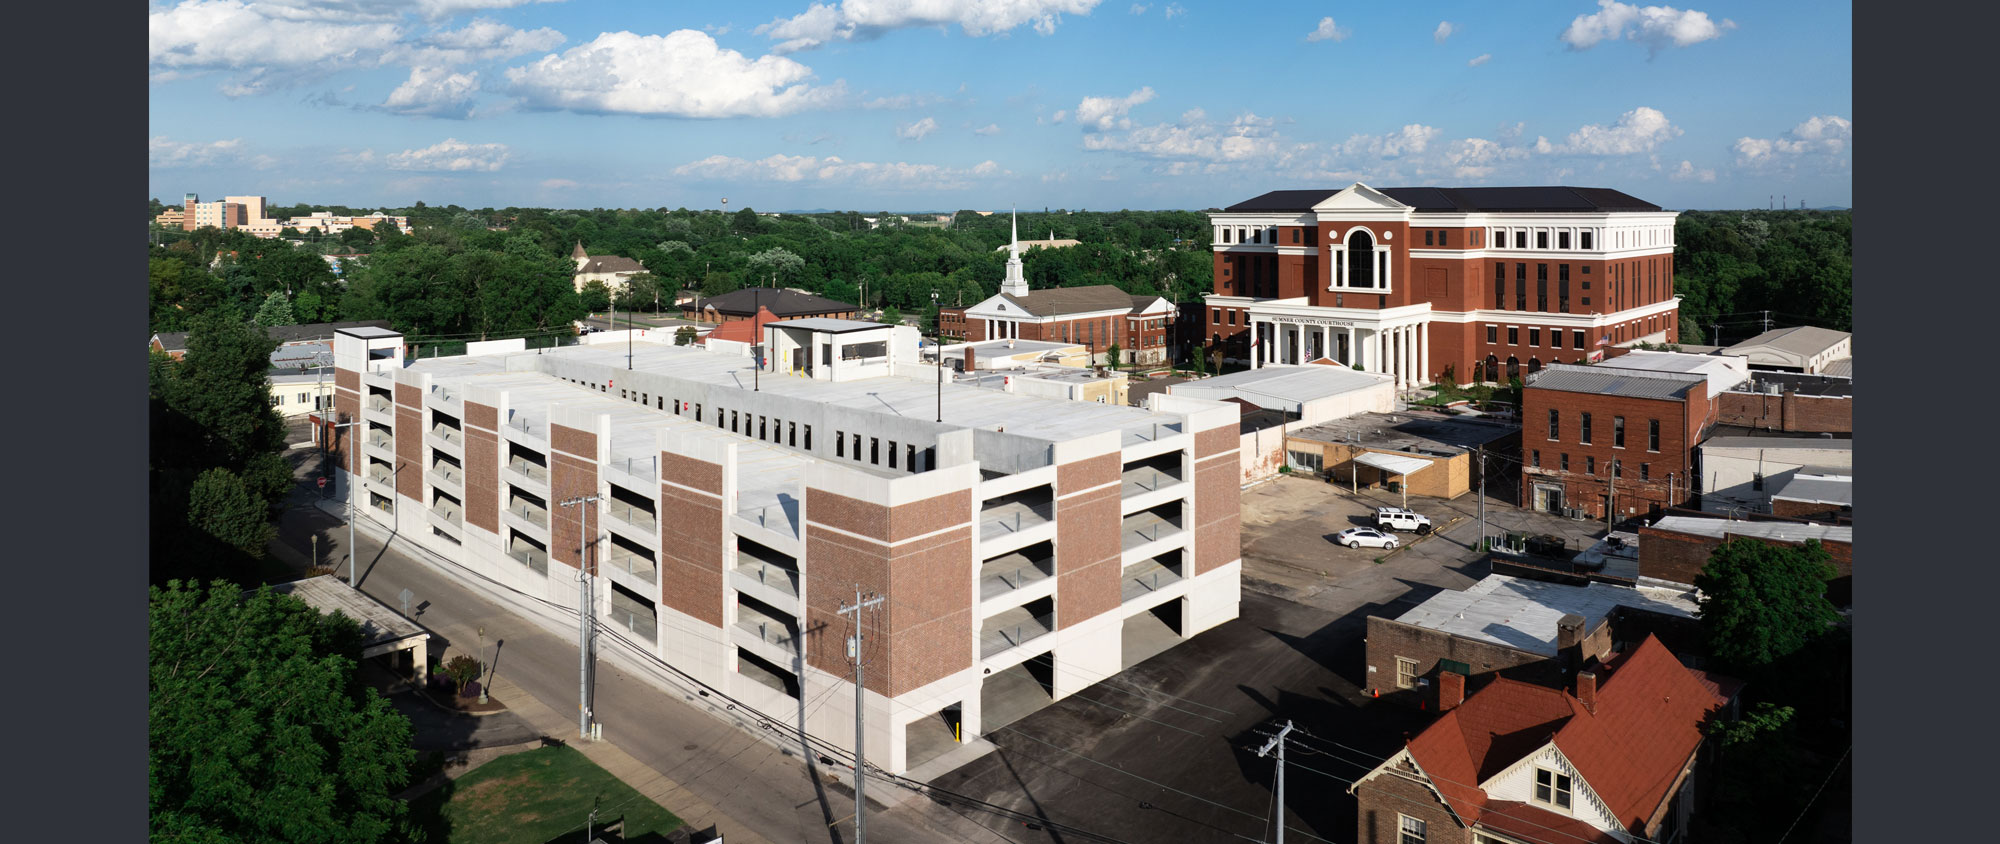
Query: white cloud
(989, 129)
(834, 170)
(1657, 27)
(1409, 140)
(1195, 137)
(1327, 30)
(164, 153)
(451, 155)
(1824, 136)
(1060, 115)
(1443, 32)
(1140, 8)
(916, 131)
(1640, 130)
(1687, 173)
(434, 91)
(902, 101)
(1175, 10)
(483, 39)
(1108, 112)
(863, 20)
(557, 184)
(1480, 59)
(680, 74)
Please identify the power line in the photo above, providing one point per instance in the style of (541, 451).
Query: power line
(1816, 793)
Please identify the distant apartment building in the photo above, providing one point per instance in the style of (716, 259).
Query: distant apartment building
(327, 222)
(1026, 547)
(247, 213)
(1096, 317)
(1489, 283)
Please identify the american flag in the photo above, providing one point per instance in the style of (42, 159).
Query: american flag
(1604, 340)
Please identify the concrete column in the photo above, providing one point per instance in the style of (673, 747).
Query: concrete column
(1353, 346)
(1256, 352)
(1326, 341)
(1424, 351)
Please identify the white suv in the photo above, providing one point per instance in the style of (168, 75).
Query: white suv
(1397, 518)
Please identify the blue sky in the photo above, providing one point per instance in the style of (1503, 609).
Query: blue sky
(948, 104)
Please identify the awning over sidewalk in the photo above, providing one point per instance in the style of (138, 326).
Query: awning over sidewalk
(383, 630)
(1392, 463)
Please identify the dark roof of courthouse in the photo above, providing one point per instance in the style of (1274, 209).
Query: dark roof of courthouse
(1537, 199)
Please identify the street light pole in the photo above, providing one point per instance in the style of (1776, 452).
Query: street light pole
(585, 619)
(353, 559)
(940, 360)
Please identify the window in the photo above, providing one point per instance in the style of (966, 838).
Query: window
(1534, 337)
(1520, 240)
(1585, 438)
(1542, 287)
(1520, 287)
(1584, 238)
(1538, 458)
(1555, 338)
(1645, 471)
(1499, 286)
(1475, 237)
(1406, 673)
(1551, 788)
(1617, 432)
(1589, 464)
(1257, 236)
(875, 450)
(1541, 240)
(1444, 237)
(1360, 260)
(1652, 435)
(1430, 237)
(1513, 336)
(1555, 425)
(1225, 235)
(1232, 317)
(1218, 316)
(1492, 334)
(892, 454)
(1617, 468)
(1565, 461)
(1577, 334)
(1295, 235)
(276, 400)
(1409, 830)
(1562, 288)
(1562, 240)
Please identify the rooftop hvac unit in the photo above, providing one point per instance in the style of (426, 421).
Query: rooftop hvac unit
(1773, 388)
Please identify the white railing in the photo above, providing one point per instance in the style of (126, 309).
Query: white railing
(767, 630)
(993, 640)
(380, 403)
(996, 580)
(782, 579)
(529, 469)
(531, 557)
(442, 471)
(446, 433)
(1149, 479)
(635, 565)
(640, 467)
(631, 515)
(377, 439)
(536, 516)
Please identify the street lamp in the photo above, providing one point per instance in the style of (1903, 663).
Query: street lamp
(940, 357)
(353, 560)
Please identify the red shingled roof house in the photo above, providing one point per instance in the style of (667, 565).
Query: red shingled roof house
(1517, 763)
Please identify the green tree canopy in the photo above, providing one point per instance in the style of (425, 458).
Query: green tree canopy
(258, 727)
(1761, 602)
(276, 310)
(596, 296)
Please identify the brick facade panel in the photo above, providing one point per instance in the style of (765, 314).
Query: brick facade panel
(692, 473)
(1083, 474)
(1678, 557)
(927, 652)
(1389, 639)
(580, 443)
(569, 478)
(1787, 412)
(839, 564)
(930, 578)
(409, 395)
(482, 479)
(409, 438)
(347, 379)
(691, 551)
(1215, 441)
(929, 515)
(1087, 592)
(482, 416)
(1217, 544)
(1681, 426)
(849, 514)
(347, 408)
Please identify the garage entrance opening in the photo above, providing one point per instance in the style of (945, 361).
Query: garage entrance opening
(1150, 633)
(932, 736)
(1010, 695)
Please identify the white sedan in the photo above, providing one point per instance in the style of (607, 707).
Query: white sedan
(1358, 537)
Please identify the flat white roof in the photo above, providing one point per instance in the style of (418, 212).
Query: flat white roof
(1392, 463)
(1781, 531)
(833, 326)
(1522, 614)
(1281, 387)
(379, 623)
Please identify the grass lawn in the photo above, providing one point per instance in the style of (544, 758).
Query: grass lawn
(537, 797)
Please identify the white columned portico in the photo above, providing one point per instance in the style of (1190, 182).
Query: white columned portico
(1424, 350)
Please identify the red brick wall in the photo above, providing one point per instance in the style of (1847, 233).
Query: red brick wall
(1389, 639)
(482, 467)
(1217, 518)
(347, 408)
(1787, 412)
(924, 629)
(572, 472)
(409, 438)
(692, 542)
(1811, 510)
(839, 563)
(1381, 801)
(1680, 427)
(1089, 543)
(1678, 557)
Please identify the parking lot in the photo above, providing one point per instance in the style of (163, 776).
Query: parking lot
(1166, 750)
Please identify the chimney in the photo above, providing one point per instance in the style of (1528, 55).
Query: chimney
(1569, 642)
(970, 358)
(1586, 690)
(1451, 690)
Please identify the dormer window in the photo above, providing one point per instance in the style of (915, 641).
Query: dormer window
(1552, 788)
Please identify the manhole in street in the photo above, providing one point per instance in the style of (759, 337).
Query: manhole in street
(687, 747)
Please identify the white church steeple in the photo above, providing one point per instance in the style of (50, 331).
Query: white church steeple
(1014, 284)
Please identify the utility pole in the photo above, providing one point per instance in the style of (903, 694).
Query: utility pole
(1610, 496)
(586, 622)
(353, 559)
(1278, 741)
(940, 359)
(854, 653)
(1767, 320)
(1482, 495)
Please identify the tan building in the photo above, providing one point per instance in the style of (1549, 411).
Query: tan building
(614, 271)
(171, 218)
(1417, 453)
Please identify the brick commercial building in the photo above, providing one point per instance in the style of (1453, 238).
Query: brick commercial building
(1592, 434)
(1095, 316)
(1788, 403)
(780, 302)
(1026, 547)
(1741, 475)
(1609, 760)
(1527, 630)
(1418, 281)
(1675, 549)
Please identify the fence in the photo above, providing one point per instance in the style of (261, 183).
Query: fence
(995, 640)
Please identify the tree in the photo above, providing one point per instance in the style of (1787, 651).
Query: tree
(891, 315)
(276, 310)
(1762, 602)
(777, 262)
(1115, 355)
(357, 237)
(596, 296)
(685, 335)
(259, 728)
(220, 505)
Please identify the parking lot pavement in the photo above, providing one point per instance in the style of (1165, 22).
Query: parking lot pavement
(1136, 394)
